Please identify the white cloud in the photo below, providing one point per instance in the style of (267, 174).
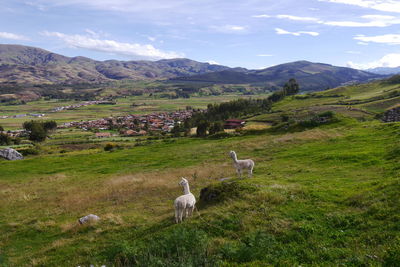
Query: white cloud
(362, 43)
(289, 17)
(12, 36)
(367, 20)
(111, 46)
(261, 16)
(390, 39)
(212, 62)
(381, 5)
(373, 21)
(388, 61)
(229, 28)
(353, 52)
(296, 18)
(151, 38)
(282, 31)
(264, 55)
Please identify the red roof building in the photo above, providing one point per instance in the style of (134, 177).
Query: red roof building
(234, 124)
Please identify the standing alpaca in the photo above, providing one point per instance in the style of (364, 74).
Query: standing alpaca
(184, 205)
(242, 164)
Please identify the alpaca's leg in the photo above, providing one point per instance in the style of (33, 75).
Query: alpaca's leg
(251, 171)
(176, 214)
(181, 214)
(239, 172)
(190, 211)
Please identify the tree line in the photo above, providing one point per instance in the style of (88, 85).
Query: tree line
(212, 119)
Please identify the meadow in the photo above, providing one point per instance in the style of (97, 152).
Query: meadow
(324, 195)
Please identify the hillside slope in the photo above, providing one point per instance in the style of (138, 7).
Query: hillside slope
(24, 64)
(311, 76)
(322, 195)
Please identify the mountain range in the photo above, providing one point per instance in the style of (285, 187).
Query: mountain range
(385, 70)
(311, 76)
(29, 65)
(24, 64)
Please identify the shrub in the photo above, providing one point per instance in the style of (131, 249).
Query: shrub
(5, 139)
(223, 191)
(110, 147)
(220, 135)
(29, 151)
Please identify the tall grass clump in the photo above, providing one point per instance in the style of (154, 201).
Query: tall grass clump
(181, 246)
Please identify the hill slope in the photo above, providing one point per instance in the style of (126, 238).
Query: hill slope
(311, 76)
(24, 64)
(327, 196)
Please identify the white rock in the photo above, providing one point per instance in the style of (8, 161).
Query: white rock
(10, 154)
(89, 218)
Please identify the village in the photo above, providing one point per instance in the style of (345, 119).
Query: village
(58, 109)
(132, 125)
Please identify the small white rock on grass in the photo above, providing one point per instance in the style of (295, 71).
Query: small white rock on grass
(89, 218)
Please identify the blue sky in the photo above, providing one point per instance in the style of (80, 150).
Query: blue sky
(252, 34)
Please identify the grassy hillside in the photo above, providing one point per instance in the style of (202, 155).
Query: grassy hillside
(363, 101)
(324, 195)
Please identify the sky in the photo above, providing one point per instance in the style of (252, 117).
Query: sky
(252, 34)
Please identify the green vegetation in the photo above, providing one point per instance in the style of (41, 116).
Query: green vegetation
(324, 193)
(38, 130)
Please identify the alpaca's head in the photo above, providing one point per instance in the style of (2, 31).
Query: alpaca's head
(232, 154)
(183, 182)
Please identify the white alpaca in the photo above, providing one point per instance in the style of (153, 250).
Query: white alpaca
(242, 164)
(184, 205)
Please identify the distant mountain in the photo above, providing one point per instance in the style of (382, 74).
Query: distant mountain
(24, 64)
(385, 71)
(29, 65)
(311, 76)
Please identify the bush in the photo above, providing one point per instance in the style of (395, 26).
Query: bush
(220, 135)
(110, 147)
(29, 151)
(5, 139)
(223, 191)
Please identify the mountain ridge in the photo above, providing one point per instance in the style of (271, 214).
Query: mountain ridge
(30, 65)
(312, 76)
(25, 64)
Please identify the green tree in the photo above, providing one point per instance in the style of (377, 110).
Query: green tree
(1, 128)
(176, 131)
(38, 132)
(36, 129)
(291, 87)
(202, 128)
(50, 125)
(216, 127)
(5, 139)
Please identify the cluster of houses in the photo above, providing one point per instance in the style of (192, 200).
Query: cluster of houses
(132, 125)
(86, 103)
(35, 115)
(57, 109)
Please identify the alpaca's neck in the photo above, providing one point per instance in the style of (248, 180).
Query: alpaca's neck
(186, 189)
(234, 157)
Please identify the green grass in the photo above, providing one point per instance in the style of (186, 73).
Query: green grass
(321, 197)
(326, 196)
